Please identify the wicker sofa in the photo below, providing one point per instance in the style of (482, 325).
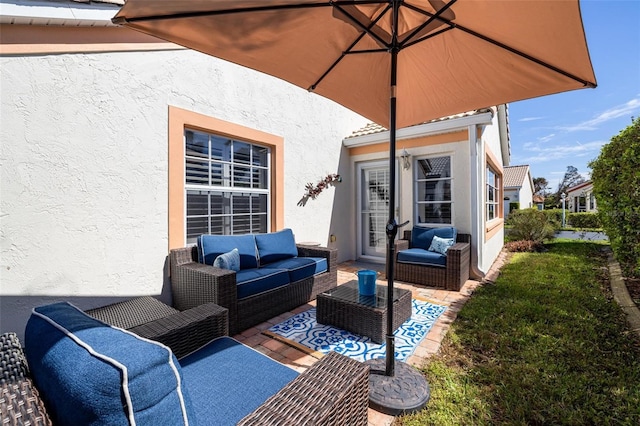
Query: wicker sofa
(415, 263)
(78, 370)
(194, 281)
(182, 331)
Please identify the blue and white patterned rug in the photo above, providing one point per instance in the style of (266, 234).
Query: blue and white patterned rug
(306, 334)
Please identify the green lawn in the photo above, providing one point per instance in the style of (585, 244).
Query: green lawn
(545, 345)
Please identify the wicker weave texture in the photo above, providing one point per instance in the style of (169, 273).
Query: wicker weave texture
(193, 284)
(334, 391)
(450, 277)
(20, 403)
(182, 331)
(132, 312)
(362, 319)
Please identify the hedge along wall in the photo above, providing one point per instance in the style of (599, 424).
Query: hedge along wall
(584, 220)
(616, 185)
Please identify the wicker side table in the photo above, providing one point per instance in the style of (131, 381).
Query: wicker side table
(344, 308)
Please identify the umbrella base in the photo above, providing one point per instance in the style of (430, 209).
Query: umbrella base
(405, 392)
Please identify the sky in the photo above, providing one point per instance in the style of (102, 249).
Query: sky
(553, 132)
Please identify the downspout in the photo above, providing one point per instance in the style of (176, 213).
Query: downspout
(477, 230)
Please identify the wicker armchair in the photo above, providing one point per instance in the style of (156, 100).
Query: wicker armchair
(334, 391)
(194, 283)
(450, 277)
(183, 331)
(20, 402)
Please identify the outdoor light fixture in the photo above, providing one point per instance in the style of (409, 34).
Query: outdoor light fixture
(564, 197)
(406, 159)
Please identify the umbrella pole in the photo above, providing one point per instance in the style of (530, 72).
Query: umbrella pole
(401, 389)
(392, 226)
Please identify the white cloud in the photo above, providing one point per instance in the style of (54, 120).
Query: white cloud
(623, 110)
(531, 118)
(546, 153)
(547, 138)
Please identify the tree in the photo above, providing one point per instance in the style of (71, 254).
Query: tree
(540, 186)
(571, 179)
(616, 185)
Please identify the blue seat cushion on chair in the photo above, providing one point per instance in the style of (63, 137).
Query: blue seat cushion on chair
(254, 281)
(421, 237)
(422, 257)
(301, 267)
(212, 246)
(228, 380)
(276, 246)
(91, 373)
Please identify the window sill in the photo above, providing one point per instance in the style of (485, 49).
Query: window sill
(494, 225)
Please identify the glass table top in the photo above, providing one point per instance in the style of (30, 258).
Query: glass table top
(349, 292)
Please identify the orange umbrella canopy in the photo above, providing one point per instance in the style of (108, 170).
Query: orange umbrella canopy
(396, 62)
(452, 57)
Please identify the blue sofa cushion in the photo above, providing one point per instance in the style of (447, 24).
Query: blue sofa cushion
(90, 373)
(254, 281)
(421, 256)
(421, 237)
(276, 246)
(301, 267)
(212, 246)
(229, 260)
(228, 380)
(440, 245)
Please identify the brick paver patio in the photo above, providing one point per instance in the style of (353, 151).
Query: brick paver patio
(300, 361)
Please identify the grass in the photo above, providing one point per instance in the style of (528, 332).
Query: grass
(546, 344)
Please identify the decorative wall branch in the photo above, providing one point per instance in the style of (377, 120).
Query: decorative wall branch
(312, 191)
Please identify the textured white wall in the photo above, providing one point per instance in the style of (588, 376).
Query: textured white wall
(526, 194)
(84, 166)
(492, 247)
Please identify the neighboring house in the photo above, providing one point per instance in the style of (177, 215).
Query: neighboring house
(580, 198)
(117, 147)
(518, 188)
(538, 200)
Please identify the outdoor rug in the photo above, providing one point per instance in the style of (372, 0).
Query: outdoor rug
(304, 333)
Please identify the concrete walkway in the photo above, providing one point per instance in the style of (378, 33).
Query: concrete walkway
(300, 361)
(621, 294)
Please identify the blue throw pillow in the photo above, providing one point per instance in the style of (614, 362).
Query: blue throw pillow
(421, 237)
(212, 246)
(276, 246)
(89, 372)
(440, 245)
(229, 260)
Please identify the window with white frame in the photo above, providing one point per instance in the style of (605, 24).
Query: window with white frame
(493, 194)
(433, 189)
(227, 185)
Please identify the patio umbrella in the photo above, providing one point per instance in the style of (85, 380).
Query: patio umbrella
(396, 62)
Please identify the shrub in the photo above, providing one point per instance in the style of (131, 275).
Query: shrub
(616, 185)
(524, 246)
(530, 225)
(554, 216)
(584, 220)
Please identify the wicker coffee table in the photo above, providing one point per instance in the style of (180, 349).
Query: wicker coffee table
(344, 308)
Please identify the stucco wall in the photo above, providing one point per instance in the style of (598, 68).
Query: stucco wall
(84, 166)
(526, 194)
(419, 148)
(492, 241)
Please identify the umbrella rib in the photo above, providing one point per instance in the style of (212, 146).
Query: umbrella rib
(123, 19)
(328, 3)
(427, 37)
(432, 17)
(351, 46)
(366, 29)
(526, 56)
